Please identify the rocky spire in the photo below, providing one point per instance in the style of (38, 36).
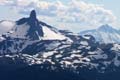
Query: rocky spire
(35, 31)
(33, 15)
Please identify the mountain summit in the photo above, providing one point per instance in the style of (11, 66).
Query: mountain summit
(33, 29)
(107, 27)
(33, 15)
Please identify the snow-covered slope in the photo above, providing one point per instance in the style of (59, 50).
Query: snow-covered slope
(104, 34)
(51, 35)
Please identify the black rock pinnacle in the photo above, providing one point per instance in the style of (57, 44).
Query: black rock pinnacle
(33, 14)
(35, 31)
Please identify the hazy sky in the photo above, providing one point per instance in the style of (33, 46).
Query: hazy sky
(75, 15)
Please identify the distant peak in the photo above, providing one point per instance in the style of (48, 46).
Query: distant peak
(106, 26)
(33, 14)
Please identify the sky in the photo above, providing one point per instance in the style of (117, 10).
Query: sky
(73, 15)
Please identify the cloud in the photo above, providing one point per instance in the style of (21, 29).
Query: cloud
(81, 12)
(6, 2)
(73, 12)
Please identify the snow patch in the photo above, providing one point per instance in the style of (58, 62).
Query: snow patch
(84, 43)
(51, 35)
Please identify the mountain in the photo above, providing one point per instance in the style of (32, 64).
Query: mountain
(27, 32)
(104, 34)
(34, 50)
